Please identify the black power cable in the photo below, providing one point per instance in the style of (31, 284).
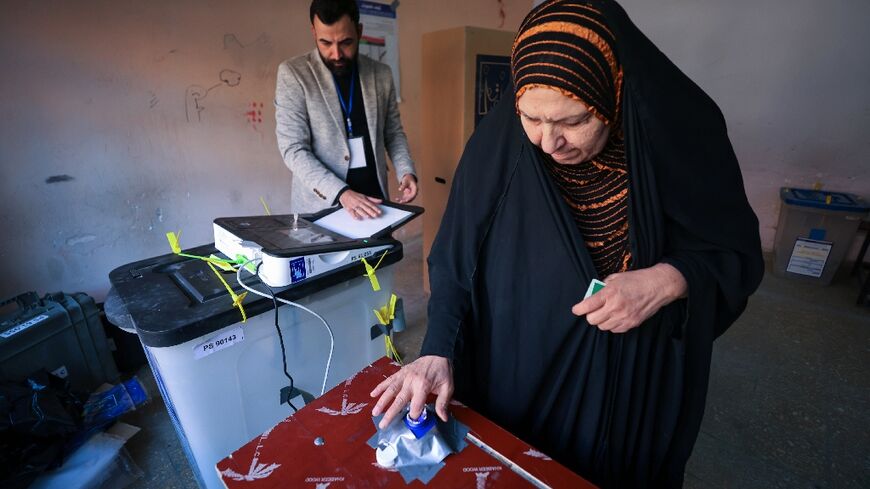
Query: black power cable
(280, 339)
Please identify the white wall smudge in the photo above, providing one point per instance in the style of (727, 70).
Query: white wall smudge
(80, 239)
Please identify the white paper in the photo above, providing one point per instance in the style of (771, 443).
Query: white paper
(357, 153)
(87, 467)
(342, 223)
(809, 257)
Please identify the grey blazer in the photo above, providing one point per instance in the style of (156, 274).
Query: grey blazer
(310, 128)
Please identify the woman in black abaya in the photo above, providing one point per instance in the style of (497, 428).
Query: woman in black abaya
(608, 164)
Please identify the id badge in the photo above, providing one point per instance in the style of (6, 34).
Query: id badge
(357, 153)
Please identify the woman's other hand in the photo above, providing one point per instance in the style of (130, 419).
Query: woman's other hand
(630, 298)
(413, 383)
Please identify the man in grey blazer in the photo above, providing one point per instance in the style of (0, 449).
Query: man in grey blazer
(336, 114)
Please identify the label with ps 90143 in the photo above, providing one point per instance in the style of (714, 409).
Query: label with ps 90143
(218, 343)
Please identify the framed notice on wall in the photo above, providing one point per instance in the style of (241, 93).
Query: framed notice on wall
(380, 40)
(492, 80)
(809, 257)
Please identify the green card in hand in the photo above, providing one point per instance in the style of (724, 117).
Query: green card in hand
(594, 287)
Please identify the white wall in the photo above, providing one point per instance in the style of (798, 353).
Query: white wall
(98, 90)
(793, 79)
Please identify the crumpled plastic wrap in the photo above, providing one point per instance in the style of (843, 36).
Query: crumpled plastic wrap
(398, 448)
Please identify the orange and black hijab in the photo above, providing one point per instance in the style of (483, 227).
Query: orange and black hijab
(566, 46)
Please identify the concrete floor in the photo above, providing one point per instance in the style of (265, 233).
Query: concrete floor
(788, 405)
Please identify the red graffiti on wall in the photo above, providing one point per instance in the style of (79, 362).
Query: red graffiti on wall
(255, 114)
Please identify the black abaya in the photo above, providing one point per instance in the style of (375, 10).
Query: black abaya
(623, 410)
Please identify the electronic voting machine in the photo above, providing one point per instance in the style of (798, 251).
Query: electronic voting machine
(295, 247)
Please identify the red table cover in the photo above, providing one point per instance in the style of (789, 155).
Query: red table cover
(287, 457)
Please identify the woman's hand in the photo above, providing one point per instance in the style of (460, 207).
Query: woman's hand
(413, 383)
(630, 298)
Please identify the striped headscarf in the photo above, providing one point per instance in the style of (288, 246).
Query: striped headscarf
(566, 46)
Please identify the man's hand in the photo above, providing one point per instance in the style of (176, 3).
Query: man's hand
(427, 375)
(407, 189)
(630, 298)
(360, 206)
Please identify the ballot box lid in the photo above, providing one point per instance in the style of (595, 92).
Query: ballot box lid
(824, 199)
(173, 299)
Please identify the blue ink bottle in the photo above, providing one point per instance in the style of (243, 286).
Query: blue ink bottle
(420, 426)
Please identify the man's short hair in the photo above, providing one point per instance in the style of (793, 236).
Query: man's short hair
(329, 11)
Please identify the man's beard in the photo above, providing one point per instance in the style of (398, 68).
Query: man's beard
(342, 69)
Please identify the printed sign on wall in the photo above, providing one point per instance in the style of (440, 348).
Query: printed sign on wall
(380, 40)
(493, 79)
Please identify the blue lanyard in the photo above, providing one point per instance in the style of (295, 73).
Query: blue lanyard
(349, 106)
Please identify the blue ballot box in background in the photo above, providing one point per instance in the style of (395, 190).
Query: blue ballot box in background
(815, 231)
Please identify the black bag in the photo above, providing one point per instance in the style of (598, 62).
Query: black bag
(38, 418)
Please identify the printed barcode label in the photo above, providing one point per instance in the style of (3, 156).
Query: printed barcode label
(218, 343)
(21, 327)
